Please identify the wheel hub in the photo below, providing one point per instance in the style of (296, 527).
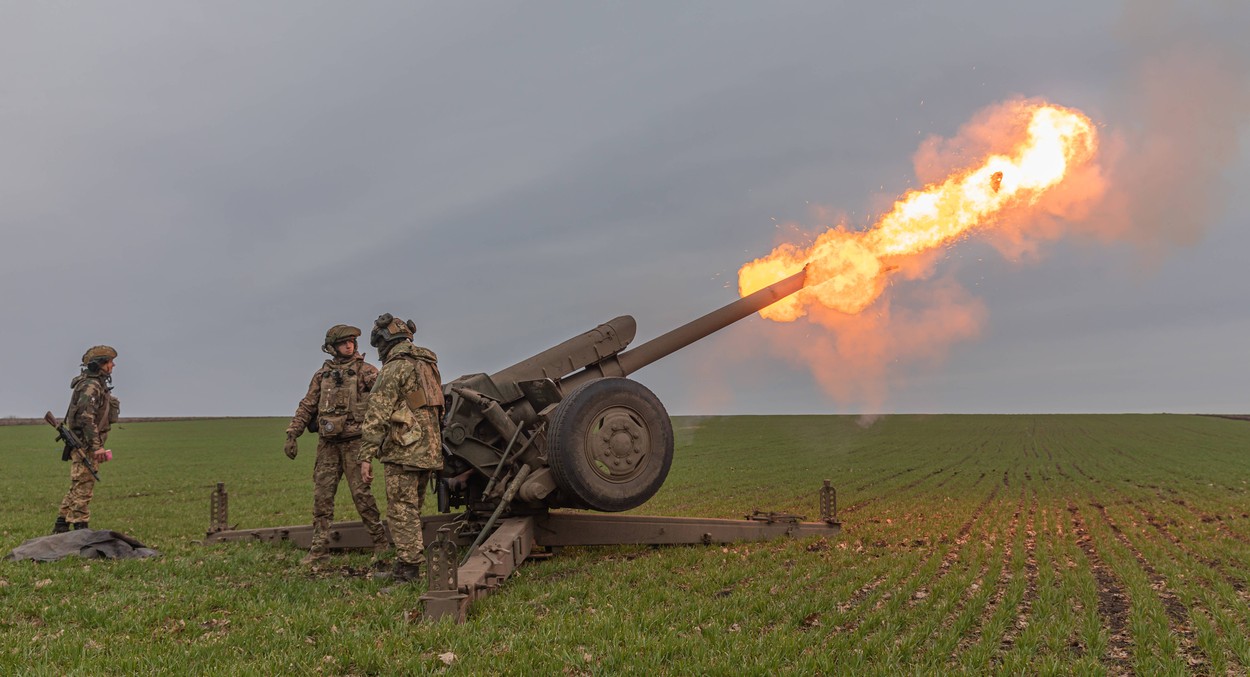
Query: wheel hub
(618, 443)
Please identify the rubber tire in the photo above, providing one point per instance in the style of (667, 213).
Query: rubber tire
(568, 446)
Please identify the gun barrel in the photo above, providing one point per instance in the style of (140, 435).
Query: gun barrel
(662, 346)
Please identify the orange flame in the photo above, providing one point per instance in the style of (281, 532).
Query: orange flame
(848, 270)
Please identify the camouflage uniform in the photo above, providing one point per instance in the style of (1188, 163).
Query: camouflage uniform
(401, 429)
(92, 411)
(336, 405)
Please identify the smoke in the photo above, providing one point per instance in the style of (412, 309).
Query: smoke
(1177, 125)
(1169, 135)
(853, 358)
(1158, 183)
(1168, 138)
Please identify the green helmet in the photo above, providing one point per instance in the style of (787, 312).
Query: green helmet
(98, 355)
(388, 328)
(340, 333)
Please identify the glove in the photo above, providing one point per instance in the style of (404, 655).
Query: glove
(292, 447)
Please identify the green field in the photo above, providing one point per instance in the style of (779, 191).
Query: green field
(1010, 544)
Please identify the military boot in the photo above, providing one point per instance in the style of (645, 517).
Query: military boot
(380, 543)
(78, 525)
(380, 559)
(61, 526)
(315, 558)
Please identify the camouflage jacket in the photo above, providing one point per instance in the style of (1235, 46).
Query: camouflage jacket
(403, 418)
(331, 400)
(92, 409)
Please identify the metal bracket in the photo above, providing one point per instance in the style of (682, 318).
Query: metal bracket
(440, 557)
(828, 503)
(219, 510)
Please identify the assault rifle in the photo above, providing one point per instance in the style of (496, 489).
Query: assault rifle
(72, 444)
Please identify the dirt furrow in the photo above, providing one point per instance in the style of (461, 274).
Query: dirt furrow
(861, 594)
(1025, 608)
(910, 485)
(1000, 586)
(951, 475)
(1161, 525)
(859, 600)
(1054, 531)
(879, 480)
(1113, 600)
(1086, 475)
(1177, 612)
(915, 483)
(1216, 521)
(948, 561)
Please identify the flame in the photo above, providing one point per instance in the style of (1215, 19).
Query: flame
(847, 270)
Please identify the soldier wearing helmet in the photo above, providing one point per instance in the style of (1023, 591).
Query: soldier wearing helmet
(333, 407)
(92, 411)
(402, 429)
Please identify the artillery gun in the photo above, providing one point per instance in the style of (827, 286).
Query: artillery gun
(589, 437)
(563, 428)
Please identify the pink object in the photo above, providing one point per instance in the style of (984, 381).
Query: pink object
(108, 455)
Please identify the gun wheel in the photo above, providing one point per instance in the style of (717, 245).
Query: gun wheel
(610, 444)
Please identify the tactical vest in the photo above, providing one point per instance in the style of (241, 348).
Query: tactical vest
(341, 407)
(105, 413)
(414, 434)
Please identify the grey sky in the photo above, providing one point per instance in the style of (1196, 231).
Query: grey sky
(209, 187)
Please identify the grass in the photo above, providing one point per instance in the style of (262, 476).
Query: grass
(971, 544)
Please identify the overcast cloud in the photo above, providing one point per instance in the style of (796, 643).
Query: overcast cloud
(208, 187)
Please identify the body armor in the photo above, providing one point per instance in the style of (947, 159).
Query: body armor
(340, 409)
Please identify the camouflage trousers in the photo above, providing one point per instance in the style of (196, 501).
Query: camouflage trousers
(74, 507)
(405, 496)
(336, 458)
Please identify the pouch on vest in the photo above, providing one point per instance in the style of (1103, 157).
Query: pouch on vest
(416, 399)
(338, 403)
(332, 426)
(115, 409)
(105, 418)
(404, 429)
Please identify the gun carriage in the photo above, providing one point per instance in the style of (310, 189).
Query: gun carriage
(563, 428)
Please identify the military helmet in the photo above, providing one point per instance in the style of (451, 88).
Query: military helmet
(98, 355)
(388, 328)
(340, 333)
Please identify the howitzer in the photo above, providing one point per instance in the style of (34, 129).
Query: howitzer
(561, 429)
(589, 437)
(72, 444)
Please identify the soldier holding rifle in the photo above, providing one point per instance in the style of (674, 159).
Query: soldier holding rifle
(92, 411)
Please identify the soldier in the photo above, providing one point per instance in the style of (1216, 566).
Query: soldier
(334, 405)
(402, 430)
(92, 411)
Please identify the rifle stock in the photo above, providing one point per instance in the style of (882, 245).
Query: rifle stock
(71, 441)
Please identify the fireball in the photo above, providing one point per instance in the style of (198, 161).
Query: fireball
(848, 270)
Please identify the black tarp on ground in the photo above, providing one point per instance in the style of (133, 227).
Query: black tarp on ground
(86, 543)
